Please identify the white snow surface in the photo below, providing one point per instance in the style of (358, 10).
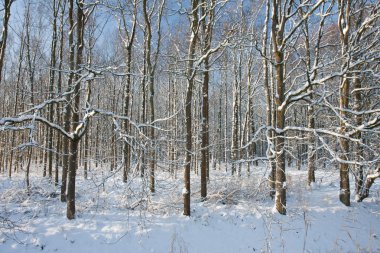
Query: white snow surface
(236, 217)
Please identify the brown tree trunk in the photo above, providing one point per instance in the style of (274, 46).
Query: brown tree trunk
(126, 125)
(277, 40)
(205, 152)
(67, 114)
(31, 80)
(74, 145)
(73, 165)
(268, 96)
(143, 116)
(235, 151)
(311, 148)
(51, 88)
(188, 106)
(86, 158)
(128, 42)
(344, 93)
(171, 123)
(311, 152)
(358, 147)
(4, 34)
(358, 106)
(149, 68)
(20, 59)
(368, 183)
(58, 160)
(220, 131)
(226, 160)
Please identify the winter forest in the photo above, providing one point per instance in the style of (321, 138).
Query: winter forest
(190, 126)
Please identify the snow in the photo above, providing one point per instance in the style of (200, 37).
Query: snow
(184, 191)
(117, 217)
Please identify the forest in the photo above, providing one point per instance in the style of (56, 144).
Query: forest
(184, 105)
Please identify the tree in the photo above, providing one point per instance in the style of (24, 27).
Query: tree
(67, 113)
(128, 36)
(207, 30)
(269, 103)
(278, 26)
(344, 23)
(74, 148)
(281, 14)
(235, 134)
(149, 70)
(58, 161)
(190, 75)
(4, 33)
(53, 50)
(311, 153)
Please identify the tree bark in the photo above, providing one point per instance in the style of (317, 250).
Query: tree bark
(4, 34)
(128, 45)
(277, 40)
(368, 183)
(344, 93)
(67, 114)
(51, 88)
(188, 106)
(205, 152)
(58, 160)
(74, 144)
(268, 105)
(235, 152)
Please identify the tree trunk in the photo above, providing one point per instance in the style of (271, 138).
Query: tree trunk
(128, 45)
(226, 160)
(268, 96)
(4, 34)
(205, 152)
(371, 177)
(74, 147)
(51, 88)
(126, 125)
(344, 93)
(277, 39)
(236, 116)
(67, 114)
(150, 81)
(220, 132)
(191, 72)
(58, 160)
(311, 148)
(31, 80)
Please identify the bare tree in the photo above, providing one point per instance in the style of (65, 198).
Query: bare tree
(53, 60)
(4, 33)
(278, 26)
(128, 37)
(67, 113)
(189, 96)
(150, 64)
(344, 23)
(268, 96)
(281, 14)
(207, 30)
(73, 156)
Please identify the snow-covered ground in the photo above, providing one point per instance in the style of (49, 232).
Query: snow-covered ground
(237, 217)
